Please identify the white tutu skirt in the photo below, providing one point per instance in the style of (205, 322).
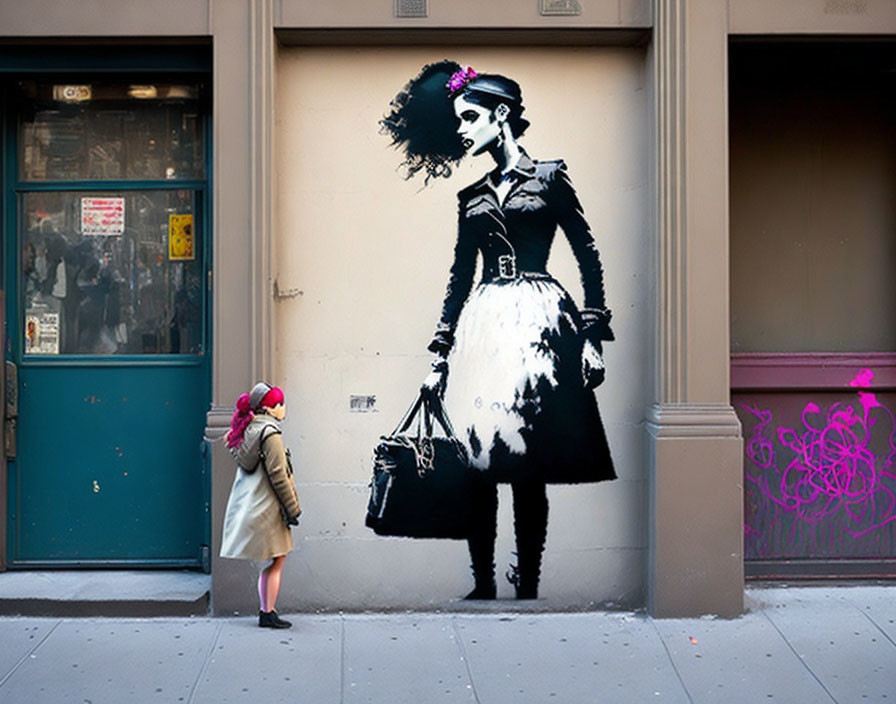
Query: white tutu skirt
(515, 391)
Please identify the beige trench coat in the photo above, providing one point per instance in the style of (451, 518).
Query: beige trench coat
(254, 523)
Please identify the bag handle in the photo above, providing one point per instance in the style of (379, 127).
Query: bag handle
(424, 408)
(409, 416)
(432, 407)
(435, 409)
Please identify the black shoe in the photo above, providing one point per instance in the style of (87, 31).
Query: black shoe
(271, 619)
(485, 592)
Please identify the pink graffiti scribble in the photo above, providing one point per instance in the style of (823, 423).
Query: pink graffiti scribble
(863, 379)
(760, 449)
(833, 471)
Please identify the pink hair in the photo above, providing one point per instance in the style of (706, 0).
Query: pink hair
(242, 416)
(272, 398)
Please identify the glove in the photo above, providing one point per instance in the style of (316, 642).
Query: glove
(593, 369)
(442, 340)
(292, 521)
(435, 382)
(596, 324)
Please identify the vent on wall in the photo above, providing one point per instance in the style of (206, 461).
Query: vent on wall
(410, 8)
(560, 7)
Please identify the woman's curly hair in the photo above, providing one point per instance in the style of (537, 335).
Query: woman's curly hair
(422, 123)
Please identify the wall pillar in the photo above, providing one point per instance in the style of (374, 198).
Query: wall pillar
(695, 556)
(243, 38)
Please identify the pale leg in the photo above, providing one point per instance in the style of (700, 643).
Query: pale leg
(269, 583)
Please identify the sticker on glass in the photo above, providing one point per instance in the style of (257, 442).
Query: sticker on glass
(41, 331)
(180, 238)
(102, 216)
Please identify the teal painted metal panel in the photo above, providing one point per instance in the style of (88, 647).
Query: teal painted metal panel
(109, 464)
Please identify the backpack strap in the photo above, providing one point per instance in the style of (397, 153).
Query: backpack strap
(267, 431)
(261, 459)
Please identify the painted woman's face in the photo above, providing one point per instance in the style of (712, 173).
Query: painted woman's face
(478, 126)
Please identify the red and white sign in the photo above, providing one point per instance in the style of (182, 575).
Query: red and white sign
(102, 216)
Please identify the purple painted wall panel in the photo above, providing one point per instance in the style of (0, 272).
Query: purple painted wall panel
(820, 480)
(791, 372)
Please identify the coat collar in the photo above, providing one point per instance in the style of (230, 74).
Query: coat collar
(525, 167)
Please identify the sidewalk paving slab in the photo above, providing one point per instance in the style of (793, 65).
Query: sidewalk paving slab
(113, 661)
(568, 658)
(19, 637)
(262, 666)
(879, 605)
(742, 661)
(405, 659)
(838, 643)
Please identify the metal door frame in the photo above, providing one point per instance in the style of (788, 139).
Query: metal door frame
(144, 62)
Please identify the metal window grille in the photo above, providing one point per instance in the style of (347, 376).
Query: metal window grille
(410, 8)
(560, 7)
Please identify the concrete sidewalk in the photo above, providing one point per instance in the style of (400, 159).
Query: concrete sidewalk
(794, 645)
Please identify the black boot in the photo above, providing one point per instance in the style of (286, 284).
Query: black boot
(526, 587)
(486, 592)
(530, 523)
(482, 554)
(481, 542)
(271, 619)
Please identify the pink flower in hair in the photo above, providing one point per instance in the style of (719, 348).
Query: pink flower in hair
(460, 79)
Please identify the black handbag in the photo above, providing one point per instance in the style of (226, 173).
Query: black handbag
(421, 484)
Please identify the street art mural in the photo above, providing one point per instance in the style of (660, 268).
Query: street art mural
(515, 360)
(825, 487)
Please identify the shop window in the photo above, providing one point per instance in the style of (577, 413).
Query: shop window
(101, 131)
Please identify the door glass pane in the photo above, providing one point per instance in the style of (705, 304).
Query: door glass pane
(104, 131)
(110, 273)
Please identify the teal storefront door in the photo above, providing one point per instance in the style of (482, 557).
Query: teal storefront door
(107, 262)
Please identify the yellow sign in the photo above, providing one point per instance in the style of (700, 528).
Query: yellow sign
(180, 238)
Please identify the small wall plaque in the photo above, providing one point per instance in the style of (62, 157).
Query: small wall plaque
(362, 404)
(846, 7)
(410, 8)
(559, 7)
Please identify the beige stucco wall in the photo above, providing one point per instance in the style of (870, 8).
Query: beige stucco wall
(360, 262)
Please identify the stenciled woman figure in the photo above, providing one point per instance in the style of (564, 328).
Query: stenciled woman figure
(515, 359)
(263, 503)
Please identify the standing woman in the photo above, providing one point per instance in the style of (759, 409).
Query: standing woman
(515, 359)
(263, 503)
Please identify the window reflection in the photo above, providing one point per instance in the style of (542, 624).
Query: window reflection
(111, 131)
(133, 287)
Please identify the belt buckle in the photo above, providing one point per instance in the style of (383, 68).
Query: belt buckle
(507, 266)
